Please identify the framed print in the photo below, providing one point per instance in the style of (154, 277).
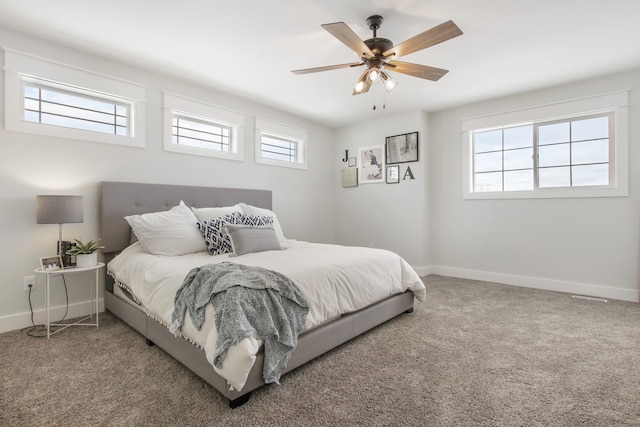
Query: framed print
(53, 262)
(352, 162)
(402, 148)
(371, 168)
(393, 174)
(349, 178)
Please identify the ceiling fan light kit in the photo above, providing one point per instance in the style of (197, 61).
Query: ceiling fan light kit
(379, 54)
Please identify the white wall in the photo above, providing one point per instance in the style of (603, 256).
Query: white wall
(31, 165)
(585, 245)
(388, 216)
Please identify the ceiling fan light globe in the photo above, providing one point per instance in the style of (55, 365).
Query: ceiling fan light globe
(390, 85)
(389, 82)
(373, 75)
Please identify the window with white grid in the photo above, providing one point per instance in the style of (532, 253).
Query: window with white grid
(570, 155)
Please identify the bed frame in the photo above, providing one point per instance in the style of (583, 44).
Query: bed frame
(119, 199)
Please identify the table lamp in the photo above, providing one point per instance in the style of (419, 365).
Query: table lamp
(59, 210)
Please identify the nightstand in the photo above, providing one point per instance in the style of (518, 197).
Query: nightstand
(94, 297)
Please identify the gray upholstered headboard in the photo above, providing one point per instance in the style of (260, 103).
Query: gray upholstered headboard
(119, 199)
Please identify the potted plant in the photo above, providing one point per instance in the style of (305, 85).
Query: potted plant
(85, 252)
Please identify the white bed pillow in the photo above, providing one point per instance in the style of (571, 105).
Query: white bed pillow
(173, 232)
(246, 239)
(252, 210)
(204, 214)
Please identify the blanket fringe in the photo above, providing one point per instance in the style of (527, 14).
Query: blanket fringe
(176, 332)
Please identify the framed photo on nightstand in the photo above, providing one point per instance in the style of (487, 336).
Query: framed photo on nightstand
(53, 262)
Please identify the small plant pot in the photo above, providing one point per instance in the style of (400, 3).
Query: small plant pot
(86, 260)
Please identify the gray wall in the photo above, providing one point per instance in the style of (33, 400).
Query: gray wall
(388, 216)
(578, 245)
(32, 164)
(587, 246)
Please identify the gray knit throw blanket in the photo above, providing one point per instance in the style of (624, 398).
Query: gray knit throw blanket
(247, 301)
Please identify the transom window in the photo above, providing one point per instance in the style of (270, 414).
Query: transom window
(278, 148)
(279, 144)
(563, 153)
(49, 98)
(200, 133)
(74, 108)
(201, 129)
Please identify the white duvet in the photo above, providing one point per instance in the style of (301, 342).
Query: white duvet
(334, 279)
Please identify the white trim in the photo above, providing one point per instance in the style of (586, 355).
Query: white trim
(617, 102)
(198, 109)
(23, 320)
(20, 66)
(423, 270)
(285, 131)
(587, 289)
(570, 108)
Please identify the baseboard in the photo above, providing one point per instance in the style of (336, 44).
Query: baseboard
(586, 289)
(23, 320)
(423, 271)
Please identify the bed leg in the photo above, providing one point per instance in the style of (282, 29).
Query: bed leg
(149, 342)
(410, 310)
(239, 401)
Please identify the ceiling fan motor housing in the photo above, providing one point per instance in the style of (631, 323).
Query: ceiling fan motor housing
(378, 45)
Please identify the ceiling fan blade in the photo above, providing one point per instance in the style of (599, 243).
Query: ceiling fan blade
(435, 35)
(342, 32)
(327, 68)
(416, 70)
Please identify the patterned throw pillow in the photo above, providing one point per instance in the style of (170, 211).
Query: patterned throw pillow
(214, 235)
(257, 221)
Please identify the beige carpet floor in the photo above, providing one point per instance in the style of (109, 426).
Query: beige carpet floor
(475, 354)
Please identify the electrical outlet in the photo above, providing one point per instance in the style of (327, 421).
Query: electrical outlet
(29, 282)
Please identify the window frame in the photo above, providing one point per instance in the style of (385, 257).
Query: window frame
(85, 94)
(180, 106)
(225, 143)
(270, 128)
(22, 70)
(615, 103)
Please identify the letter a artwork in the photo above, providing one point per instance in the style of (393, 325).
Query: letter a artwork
(409, 173)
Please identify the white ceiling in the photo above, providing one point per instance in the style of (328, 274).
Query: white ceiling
(249, 47)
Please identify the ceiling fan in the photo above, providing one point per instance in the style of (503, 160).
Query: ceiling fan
(379, 54)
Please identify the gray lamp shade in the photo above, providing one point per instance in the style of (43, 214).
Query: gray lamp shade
(59, 209)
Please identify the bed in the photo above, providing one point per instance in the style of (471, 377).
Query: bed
(324, 329)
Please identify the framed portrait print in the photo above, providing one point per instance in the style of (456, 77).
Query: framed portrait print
(402, 148)
(53, 262)
(371, 165)
(393, 174)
